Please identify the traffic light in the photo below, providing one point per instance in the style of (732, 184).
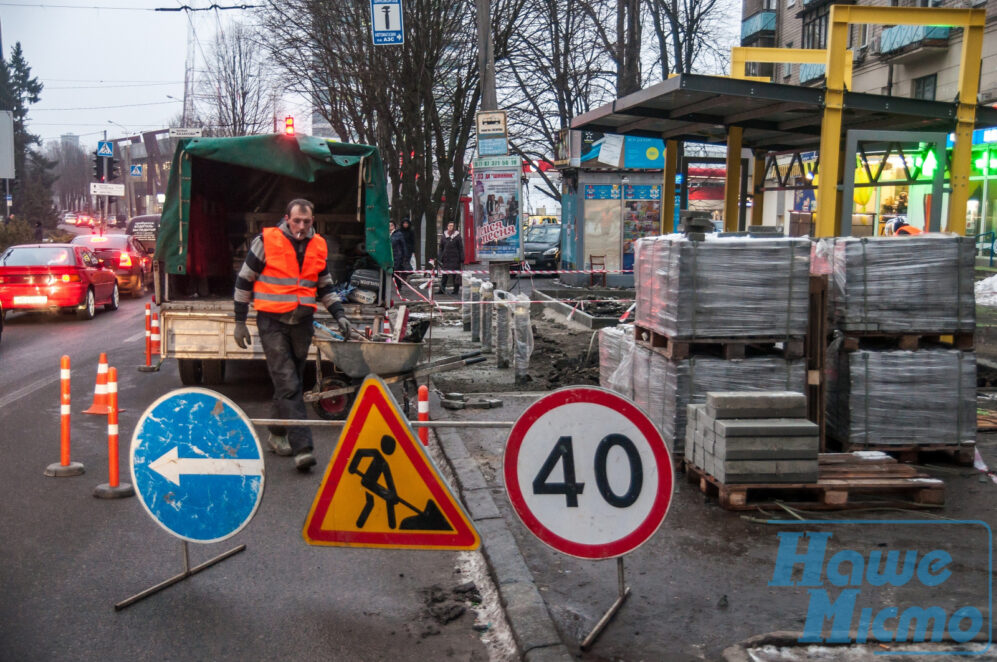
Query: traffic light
(289, 125)
(113, 172)
(98, 167)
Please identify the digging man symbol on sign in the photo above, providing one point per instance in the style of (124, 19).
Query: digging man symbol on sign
(428, 519)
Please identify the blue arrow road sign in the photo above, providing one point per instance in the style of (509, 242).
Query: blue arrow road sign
(135, 170)
(386, 22)
(197, 465)
(105, 148)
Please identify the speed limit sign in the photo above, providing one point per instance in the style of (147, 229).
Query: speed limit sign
(588, 473)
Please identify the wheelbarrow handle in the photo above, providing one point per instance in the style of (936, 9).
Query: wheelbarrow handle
(471, 355)
(475, 359)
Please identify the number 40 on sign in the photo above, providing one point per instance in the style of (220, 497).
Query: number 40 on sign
(588, 473)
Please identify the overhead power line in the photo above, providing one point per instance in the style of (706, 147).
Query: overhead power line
(186, 8)
(120, 105)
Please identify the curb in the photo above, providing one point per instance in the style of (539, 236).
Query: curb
(531, 623)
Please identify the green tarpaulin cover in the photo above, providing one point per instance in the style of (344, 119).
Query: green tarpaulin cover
(300, 157)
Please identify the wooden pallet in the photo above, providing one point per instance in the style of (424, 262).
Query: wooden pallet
(907, 341)
(961, 454)
(727, 348)
(844, 479)
(986, 422)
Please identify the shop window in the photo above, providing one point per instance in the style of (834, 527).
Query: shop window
(924, 87)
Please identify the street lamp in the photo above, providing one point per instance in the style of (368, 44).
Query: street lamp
(127, 130)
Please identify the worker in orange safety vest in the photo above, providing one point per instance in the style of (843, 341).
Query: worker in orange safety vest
(285, 277)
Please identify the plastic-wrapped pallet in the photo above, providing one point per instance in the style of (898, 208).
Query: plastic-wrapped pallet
(616, 350)
(723, 287)
(921, 284)
(901, 398)
(686, 382)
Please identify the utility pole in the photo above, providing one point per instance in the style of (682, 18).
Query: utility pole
(486, 56)
(498, 272)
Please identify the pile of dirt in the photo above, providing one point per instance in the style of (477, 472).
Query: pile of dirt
(598, 306)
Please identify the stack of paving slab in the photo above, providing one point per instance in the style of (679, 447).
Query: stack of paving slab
(887, 288)
(762, 437)
(903, 285)
(723, 287)
(664, 388)
(616, 351)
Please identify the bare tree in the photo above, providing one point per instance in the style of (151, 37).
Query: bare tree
(416, 102)
(236, 95)
(72, 173)
(692, 35)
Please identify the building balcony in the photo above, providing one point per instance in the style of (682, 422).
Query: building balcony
(810, 72)
(761, 24)
(902, 43)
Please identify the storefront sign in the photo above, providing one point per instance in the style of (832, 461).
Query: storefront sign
(602, 191)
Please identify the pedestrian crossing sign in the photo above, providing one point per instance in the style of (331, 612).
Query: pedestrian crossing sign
(105, 148)
(381, 488)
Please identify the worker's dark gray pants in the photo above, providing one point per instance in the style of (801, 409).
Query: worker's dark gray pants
(286, 347)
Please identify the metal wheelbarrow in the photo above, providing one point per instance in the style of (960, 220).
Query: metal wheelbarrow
(353, 360)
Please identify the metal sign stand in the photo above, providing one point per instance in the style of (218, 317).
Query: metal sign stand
(624, 593)
(187, 572)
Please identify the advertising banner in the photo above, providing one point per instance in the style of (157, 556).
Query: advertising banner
(498, 230)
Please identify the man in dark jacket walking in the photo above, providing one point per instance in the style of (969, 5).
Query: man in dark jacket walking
(451, 256)
(409, 236)
(398, 248)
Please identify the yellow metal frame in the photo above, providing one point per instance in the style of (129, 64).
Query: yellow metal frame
(972, 21)
(740, 56)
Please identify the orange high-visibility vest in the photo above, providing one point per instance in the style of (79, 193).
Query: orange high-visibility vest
(282, 286)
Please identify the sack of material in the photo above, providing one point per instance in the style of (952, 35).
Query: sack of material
(723, 287)
(921, 284)
(901, 398)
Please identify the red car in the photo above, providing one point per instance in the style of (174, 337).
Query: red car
(56, 276)
(126, 255)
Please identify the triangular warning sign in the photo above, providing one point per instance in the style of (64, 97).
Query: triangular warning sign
(381, 489)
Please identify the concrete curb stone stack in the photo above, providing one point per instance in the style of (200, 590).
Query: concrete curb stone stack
(753, 437)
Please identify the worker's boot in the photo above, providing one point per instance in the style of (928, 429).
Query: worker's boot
(279, 444)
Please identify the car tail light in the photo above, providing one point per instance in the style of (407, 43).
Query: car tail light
(64, 278)
(124, 260)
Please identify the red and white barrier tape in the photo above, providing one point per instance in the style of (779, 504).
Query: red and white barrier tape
(525, 271)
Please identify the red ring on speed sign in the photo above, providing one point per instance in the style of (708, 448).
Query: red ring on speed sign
(551, 466)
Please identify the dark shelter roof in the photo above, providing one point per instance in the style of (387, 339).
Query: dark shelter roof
(774, 116)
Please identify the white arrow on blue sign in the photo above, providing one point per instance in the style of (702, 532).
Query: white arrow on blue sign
(197, 465)
(105, 148)
(386, 22)
(135, 170)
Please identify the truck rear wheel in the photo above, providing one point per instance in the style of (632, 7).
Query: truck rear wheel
(337, 407)
(213, 371)
(190, 371)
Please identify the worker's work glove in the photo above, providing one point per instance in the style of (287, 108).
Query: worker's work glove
(241, 335)
(344, 326)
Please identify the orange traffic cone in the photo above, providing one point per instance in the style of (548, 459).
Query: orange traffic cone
(101, 402)
(100, 405)
(156, 346)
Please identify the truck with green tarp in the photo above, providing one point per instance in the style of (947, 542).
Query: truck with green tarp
(222, 192)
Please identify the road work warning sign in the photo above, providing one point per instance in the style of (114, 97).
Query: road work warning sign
(381, 489)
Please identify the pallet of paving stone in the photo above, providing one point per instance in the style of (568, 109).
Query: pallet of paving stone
(845, 480)
(960, 454)
(986, 421)
(920, 284)
(723, 287)
(725, 348)
(856, 340)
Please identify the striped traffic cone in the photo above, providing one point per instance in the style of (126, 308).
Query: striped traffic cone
(156, 345)
(100, 406)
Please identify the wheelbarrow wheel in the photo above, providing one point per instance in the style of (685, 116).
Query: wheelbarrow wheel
(337, 407)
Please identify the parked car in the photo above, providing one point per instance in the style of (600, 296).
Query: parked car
(69, 218)
(126, 255)
(64, 277)
(542, 246)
